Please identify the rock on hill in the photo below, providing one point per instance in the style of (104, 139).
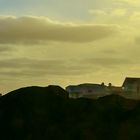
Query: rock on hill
(46, 113)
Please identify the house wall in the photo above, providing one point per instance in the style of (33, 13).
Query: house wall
(132, 88)
(88, 92)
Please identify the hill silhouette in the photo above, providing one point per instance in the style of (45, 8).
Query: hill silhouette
(46, 113)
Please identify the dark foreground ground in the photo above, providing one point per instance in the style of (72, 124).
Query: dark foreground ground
(36, 113)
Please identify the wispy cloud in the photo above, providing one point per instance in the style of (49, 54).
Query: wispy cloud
(5, 48)
(24, 67)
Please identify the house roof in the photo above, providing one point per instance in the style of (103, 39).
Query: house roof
(87, 85)
(97, 87)
(131, 80)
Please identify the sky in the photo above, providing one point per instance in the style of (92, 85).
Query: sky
(68, 42)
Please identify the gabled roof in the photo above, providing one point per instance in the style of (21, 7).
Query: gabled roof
(131, 80)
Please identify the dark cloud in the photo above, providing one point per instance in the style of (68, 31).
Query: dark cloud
(24, 71)
(5, 48)
(137, 40)
(37, 29)
(110, 51)
(25, 67)
(32, 67)
(109, 61)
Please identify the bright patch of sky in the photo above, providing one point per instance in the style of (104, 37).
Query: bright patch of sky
(68, 10)
(64, 9)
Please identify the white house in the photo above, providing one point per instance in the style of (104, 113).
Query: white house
(87, 90)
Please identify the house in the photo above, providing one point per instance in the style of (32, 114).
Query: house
(87, 90)
(131, 85)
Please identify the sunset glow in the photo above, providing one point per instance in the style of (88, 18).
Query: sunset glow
(64, 42)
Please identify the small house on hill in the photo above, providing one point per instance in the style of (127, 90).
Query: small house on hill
(87, 90)
(131, 85)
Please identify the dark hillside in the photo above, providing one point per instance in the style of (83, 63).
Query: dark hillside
(46, 113)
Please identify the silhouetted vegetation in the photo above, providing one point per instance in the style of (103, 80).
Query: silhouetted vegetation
(37, 113)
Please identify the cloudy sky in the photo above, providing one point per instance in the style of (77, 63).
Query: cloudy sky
(66, 42)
